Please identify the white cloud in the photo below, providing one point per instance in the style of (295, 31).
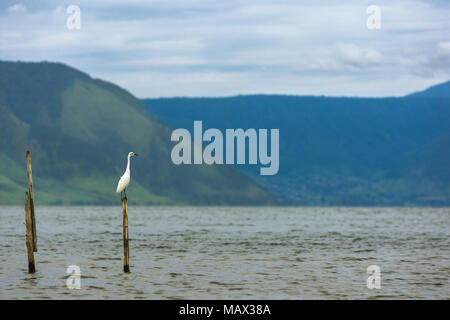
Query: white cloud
(17, 8)
(59, 9)
(443, 48)
(359, 57)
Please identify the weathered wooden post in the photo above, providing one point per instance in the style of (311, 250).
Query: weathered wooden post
(31, 201)
(126, 249)
(29, 234)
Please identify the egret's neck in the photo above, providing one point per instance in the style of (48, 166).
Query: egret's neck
(128, 163)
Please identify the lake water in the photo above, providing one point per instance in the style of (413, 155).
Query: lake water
(229, 253)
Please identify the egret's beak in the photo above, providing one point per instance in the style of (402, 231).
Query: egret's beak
(135, 154)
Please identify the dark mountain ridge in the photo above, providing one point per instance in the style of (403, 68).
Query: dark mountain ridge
(339, 151)
(441, 90)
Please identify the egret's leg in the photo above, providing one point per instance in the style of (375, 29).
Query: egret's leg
(125, 192)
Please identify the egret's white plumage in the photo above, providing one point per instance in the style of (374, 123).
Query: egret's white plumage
(125, 179)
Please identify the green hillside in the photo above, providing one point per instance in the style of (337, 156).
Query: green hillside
(79, 131)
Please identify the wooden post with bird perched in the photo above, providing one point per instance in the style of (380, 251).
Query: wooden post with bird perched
(124, 181)
(31, 201)
(126, 248)
(29, 235)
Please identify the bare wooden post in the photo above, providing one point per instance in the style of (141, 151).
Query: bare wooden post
(31, 201)
(29, 235)
(126, 249)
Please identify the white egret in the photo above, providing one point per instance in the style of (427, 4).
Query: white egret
(125, 179)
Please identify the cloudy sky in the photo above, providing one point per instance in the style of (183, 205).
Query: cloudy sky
(161, 48)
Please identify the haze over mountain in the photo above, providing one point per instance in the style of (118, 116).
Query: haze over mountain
(80, 130)
(339, 151)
